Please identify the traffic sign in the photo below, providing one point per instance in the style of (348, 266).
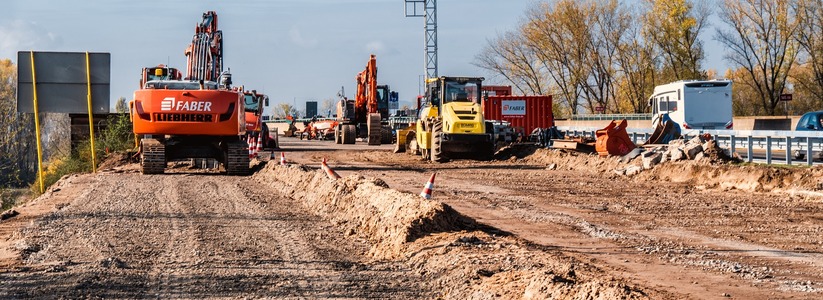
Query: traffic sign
(599, 108)
(786, 97)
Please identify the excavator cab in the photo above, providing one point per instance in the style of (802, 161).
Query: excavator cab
(159, 73)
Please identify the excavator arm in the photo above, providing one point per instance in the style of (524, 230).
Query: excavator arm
(366, 96)
(205, 53)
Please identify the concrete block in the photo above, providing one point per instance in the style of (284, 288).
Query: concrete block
(676, 154)
(677, 143)
(651, 160)
(633, 170)
(692, 150)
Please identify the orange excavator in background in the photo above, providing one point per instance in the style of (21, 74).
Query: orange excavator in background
(255, 128)
(200, 116)
(366, 115)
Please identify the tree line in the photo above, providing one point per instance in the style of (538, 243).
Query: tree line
(608, 54)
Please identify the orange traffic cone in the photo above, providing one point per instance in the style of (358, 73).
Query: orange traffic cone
(427, 191)
(259, 144)
(282, 159)
(329, 172)
(251, 147)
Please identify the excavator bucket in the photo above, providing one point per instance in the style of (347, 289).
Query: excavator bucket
(614, 140)
(666, 131)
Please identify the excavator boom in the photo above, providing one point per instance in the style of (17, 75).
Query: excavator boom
(205, 53)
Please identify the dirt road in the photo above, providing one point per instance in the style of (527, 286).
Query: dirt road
(125, 235)
(533, 224)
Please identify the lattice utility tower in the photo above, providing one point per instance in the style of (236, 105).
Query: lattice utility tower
(428, 10)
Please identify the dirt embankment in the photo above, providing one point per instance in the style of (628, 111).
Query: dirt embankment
(461, 258)
(704, 173)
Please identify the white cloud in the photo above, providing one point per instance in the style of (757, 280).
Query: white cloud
(298, 39)
(19, 35)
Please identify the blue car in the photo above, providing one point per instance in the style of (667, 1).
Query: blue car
(810, 121)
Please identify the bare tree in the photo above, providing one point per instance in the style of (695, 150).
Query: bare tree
(636, 61)
(327, 107)
(762, 42)
(674, 27)
(509, 57)
(557, 35)
(810, 38)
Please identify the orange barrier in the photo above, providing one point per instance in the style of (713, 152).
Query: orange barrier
(614, 140)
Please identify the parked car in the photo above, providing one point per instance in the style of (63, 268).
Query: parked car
(810, 121)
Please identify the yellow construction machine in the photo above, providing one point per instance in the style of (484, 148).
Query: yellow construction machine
(450, 122)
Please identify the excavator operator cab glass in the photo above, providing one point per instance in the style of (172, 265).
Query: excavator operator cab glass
(252, 102)
(157, 74)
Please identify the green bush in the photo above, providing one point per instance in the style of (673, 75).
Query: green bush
(116, 137)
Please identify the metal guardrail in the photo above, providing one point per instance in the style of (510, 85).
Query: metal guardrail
(807, 143)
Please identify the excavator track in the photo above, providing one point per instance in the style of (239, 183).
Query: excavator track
(375, 130)
(153, 157)
(237, 158)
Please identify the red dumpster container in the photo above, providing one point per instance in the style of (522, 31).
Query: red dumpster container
(497, 90)
(526, 112)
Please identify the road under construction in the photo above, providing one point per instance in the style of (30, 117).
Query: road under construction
(343, 218)
(530, 223)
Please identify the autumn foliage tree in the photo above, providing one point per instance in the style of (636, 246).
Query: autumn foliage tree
(591, 54)
(17, 149)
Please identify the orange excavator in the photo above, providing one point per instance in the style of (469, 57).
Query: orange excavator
(200, 116)
(255, 128)
(366, 114)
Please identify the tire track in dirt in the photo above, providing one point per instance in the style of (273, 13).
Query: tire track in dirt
(201, 236)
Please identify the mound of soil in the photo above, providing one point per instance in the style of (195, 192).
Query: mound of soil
(388, 218)
(461, 258)
(715, 170)
(115, 159)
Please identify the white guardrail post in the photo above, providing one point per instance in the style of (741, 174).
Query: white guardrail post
(788, 150)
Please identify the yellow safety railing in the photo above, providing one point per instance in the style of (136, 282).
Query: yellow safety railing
(37, 125)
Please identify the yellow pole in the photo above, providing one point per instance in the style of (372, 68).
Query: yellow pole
(91, 117)
(37, 125)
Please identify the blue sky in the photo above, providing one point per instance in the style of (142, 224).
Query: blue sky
(293, 50)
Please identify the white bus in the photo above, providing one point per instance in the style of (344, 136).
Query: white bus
(694, 104)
